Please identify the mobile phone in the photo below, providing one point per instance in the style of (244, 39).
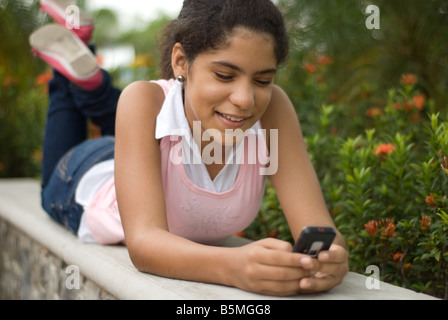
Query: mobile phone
(313, 240)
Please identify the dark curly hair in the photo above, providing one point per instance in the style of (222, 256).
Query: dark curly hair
(205, 25)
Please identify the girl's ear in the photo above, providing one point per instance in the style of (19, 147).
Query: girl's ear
(179, 61)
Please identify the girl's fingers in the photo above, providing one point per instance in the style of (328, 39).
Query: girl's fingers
(328, 271)
(336, 254)
(275, 273)
(274, 252)
(318, 284)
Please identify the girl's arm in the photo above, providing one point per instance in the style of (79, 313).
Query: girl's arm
(299, 191)
(267, 266)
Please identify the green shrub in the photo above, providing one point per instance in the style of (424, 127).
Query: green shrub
(22, 121)
(386, 189)
(23, 97)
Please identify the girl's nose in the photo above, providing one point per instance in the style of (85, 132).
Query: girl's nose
(243, 95)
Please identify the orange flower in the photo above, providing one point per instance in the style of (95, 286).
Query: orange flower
(309, 67)
(419, 101)
(445, 168)
(430, 200)
(425, 222)
(371, 227)
(389, 230)
(374, 112)
(397, 257)
(407, 266)
(44, 78)
(409, 79)
(384, 149)
(324, 60)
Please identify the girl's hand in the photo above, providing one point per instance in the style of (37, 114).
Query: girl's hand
(328, 270)
(270, 267)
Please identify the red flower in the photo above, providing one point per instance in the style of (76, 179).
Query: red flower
(43, 78)
(425, 222)
(324, 60)
(408, 79)
(397, 256)
(371, 227)
(445, 168)
(430, 200)
(374, 112)
(387, 226)
(384, 149)
(389, 230)
(309, 67)
(419, 101)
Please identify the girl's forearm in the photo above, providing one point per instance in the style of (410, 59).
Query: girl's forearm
(162, 253)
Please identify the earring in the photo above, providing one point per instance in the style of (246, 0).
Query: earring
(181, 78)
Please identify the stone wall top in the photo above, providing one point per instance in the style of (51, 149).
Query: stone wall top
(111, 268)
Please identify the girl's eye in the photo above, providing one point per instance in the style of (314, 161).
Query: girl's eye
(264, 82)
(223, 77)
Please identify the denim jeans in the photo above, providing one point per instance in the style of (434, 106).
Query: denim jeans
(67, 155)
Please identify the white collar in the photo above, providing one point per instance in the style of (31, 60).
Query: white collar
(171, 120)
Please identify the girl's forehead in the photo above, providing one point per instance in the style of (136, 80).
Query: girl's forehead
(250, 38)
(245, 47)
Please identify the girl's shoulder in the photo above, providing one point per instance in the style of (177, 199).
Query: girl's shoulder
(279, 111)
(142, 97)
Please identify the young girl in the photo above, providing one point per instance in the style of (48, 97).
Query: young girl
(147, 189)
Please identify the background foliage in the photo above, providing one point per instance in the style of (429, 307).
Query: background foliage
(372, 105)
(22, 99)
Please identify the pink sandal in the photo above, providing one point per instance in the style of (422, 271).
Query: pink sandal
(60, 11)
(66, 53)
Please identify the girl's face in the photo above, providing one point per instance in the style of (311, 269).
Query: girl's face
(231, 88)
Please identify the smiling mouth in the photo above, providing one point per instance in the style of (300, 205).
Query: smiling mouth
(232, 118)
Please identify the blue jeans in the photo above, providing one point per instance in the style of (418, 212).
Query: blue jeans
(67, 155)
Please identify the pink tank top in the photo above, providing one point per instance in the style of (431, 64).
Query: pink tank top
(204, 216)
(192, 212)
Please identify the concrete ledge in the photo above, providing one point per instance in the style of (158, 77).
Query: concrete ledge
(108, 271)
